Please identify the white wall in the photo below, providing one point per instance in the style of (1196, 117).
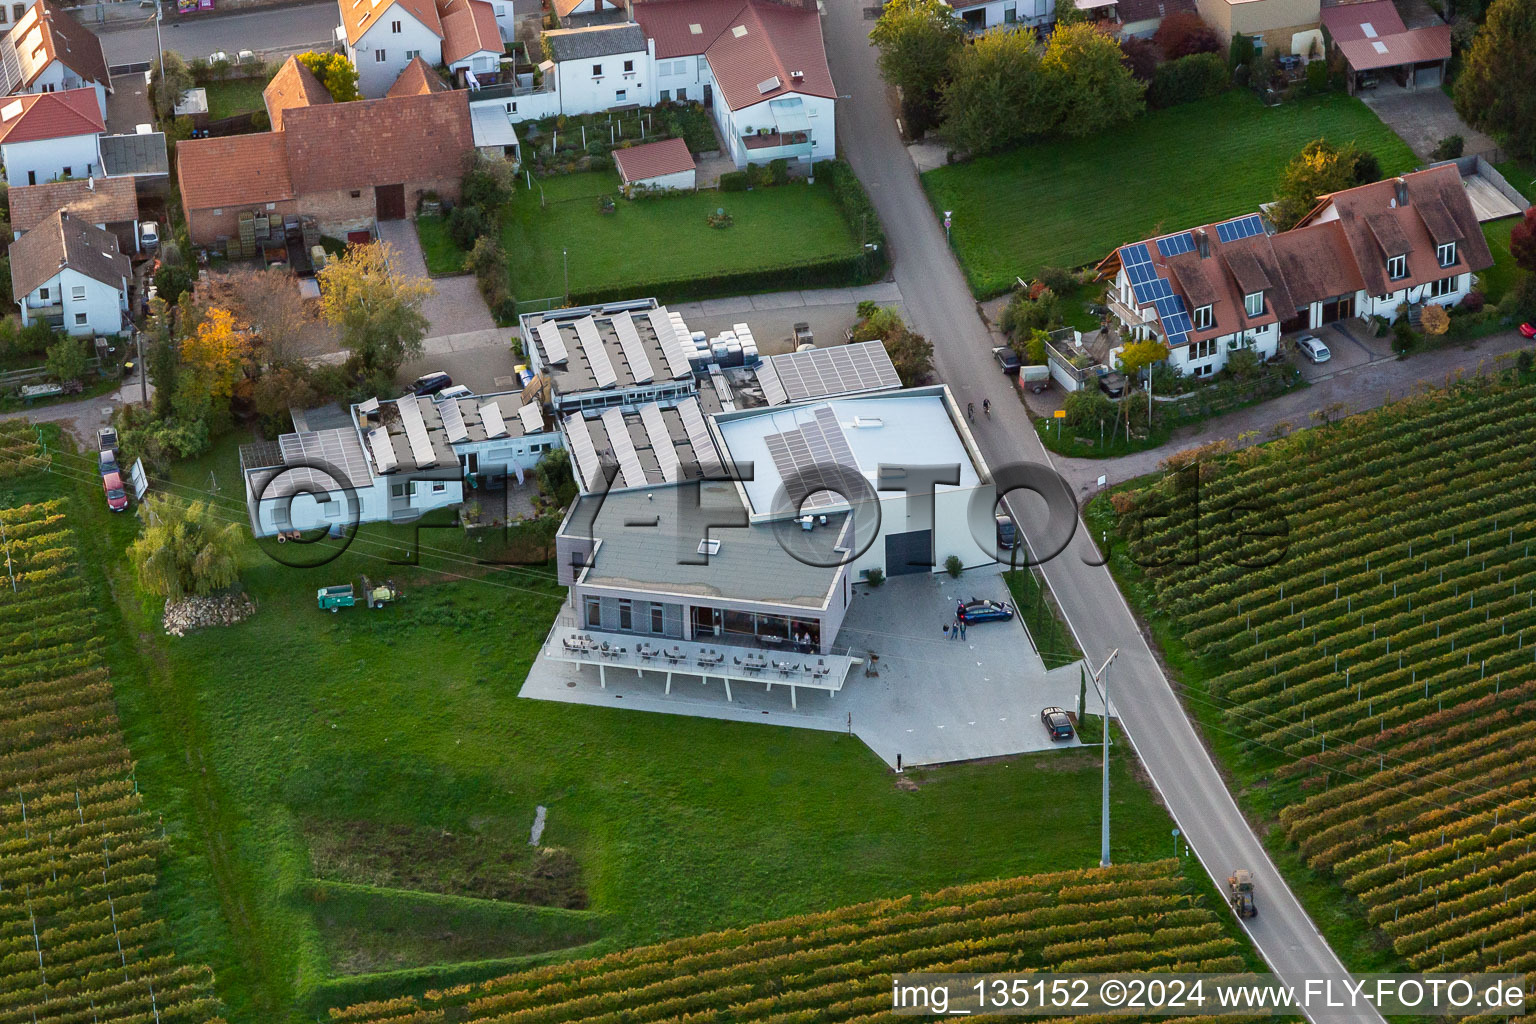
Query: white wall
(687, 75)
(374, 77)
(682, 180)
(57, 78)
(505, 19)
(480, 62)
(995, 13)
(950, 523)
(818, 109)
(499, 457)
(1386, 306)
(583, 93)
(102, 304)
(376, 503)
(532, 107)
(32, 163)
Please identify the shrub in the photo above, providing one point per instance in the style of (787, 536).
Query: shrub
(1088, 408)
(1317, 77)
(1434, 320)
(953, 565)
(1183, 33)
(1474, 301)
(778, 172)
(171, 282)
(1448, 148)
(596, 148)
(733, 181)
(1057, 279)
(757, 175)
(1141, 56)
(1367, 167)
(600, 163)
(467, 223)
(1196, 77)
(1025, 314)
(1523, 362)
(66, 359)
(874, 577)
(1404, 340)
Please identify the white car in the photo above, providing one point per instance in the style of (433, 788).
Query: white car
(218, 55)
(1309, 346)
(457, 391)
(149, 235)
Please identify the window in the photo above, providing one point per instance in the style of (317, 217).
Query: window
(626, 615)
(619, 94)
(1203, 371)
(666, 94)
(1446, 253)
(658, 621)
(271, 207)
(378, 56)
(397, 490)
(42, 293)
(1202, 318)
(394, 27)
(1258, 45)
(438, 487)
(501, 10)
(17, 10)
(682, 95)
(629, 67)
(412, 54)
(1397, 267)
(3, 16)
(597, 71)
(1254, 303)
(1444, 286)
(66, 172)
(79, 319)
(594, 612)
(357, 193)
(1010, 14)
(49, 87)
(1203, 349)
(77, 292)
(512, 107)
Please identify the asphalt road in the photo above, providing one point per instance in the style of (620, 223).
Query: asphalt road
(285, 28)
(941, 307)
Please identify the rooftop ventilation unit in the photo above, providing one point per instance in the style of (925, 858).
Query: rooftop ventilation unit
(709, 547)
(797, 75)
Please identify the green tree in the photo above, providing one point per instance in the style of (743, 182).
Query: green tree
(377, 312)
(1066, 12)
(67, 359)
(1086, 84)
(992, 99)
(170, 78)
(184, 549)
(918, 40)
(336, 73)
(910, 352)
(1319, 169)
(1136, 356)
(1496, 90)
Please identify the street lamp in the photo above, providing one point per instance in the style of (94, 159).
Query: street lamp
(1101, 681)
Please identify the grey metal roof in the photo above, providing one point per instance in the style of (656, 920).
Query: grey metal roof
(576, 373)
(313, 462)
(652, 461)
(751, 564)
(134, 154)
(596, 41)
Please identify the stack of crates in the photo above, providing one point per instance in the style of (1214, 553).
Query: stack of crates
(247, 233)
(310, 229)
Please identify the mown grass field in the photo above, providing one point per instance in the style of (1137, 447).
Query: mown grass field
(235, 96)
(337, 787)
(1352, 640)
(1069, 203)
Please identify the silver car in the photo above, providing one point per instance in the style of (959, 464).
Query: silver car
(1309, 346)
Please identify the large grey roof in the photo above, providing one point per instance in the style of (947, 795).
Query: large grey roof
(751, 565)
(64, 241)
(134, 154)
(596, 41)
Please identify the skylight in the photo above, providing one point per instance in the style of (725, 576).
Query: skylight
(739, 31)
(696, 29)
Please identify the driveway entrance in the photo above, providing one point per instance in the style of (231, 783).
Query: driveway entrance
(1423, 117)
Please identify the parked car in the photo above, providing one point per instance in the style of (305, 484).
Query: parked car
(987, 611)
(1112, 384)
(218, 55)
(1057, 725)
(1311, 347)
(106, 464)
(1007, 533)
(431, 383)
(245, 57)
(149, 236)
(1008, 359)
(1528, 330)
(117, 498)
(457, 391)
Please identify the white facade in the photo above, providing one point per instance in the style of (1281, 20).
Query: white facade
(58, 78)
(998, 13)
(32, 163)
(480, 62)
(383, 50)
(1201, 358)
(384, 500)
(683, 79)
(87, 306)
(680, 181)
(591, 84)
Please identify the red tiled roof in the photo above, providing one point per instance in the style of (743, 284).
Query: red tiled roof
(653, 159)
(1316, 263)
(64, 241)
(46, 33)
(235, 170)
(96, 201)
(358, 16)
(378, 142)
(50, 115)
(469, 26)
(1411, 47)
(1347, 22)
(294, 85)
(671, 23)
(417, 79)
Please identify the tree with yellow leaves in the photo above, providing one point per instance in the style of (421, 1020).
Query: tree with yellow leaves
(1434, 320)
(216, 353)
(376, 310)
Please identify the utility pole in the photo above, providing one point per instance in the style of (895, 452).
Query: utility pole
(159, 46)
(138, 341)
(1101, 679)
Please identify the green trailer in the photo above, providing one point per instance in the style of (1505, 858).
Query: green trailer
(333, 598)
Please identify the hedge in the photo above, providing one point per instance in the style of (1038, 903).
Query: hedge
(855, 204)
(836, 272)
(1196, 77)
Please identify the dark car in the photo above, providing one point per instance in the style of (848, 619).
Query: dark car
(107, 465)
(1007, 533)
(987, 611)
(1008, 359)
(1112, 384)
(1056, 723)
(117, 498)
(430, 384)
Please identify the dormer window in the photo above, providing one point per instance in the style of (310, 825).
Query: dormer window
(1397, 267)
(1254, 303)
(1446, 254)
(1202, 318)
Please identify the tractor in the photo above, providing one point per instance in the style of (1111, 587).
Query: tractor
(1240, 893)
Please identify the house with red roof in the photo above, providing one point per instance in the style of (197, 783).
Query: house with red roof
(1372, 250)
(49, 51)
(49, 136)
(382, 37)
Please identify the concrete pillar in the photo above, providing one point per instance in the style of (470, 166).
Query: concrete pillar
(602, 676)
(727, 691)
(669, 684)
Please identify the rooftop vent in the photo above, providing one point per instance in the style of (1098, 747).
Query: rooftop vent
(709, 547)
(797, 75)
(867, 422)
(1202, 243)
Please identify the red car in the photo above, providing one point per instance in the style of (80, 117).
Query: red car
(1528, 330)
(117, 498)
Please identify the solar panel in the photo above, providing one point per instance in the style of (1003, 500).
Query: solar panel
(490, 415)
(587, 463)
(845, 370)
(1243, 227)
(1175, 244)
(532, 417)
(597, 355)
(416, 432)
(836, 440)
(1132, 255)
(453, 421)
(698, 436)
(554, 345)
(339, 449)
(383, 451)
(623, 448)
(634, 348)
(773, 388)
(661, 441)
(671, 344)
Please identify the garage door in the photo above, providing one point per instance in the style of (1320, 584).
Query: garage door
(908, 552)
(1427, 74)
(389, 202)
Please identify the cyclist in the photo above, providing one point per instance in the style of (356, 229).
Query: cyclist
(970, 411)
(986, 406)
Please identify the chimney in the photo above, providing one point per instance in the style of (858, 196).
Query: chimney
(90, 183)
(1202, 243)
(1402, 191)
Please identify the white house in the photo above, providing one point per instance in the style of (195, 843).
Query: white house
(982, 15)
(70, 274)
(51, 135)
(1365, 251)
(382, 36)
(49, 51)
(601, 66)
(472, 38)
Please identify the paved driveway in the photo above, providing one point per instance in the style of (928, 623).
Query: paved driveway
(455, 306)
(1423, 117)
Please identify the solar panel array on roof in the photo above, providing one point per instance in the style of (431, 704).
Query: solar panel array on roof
(1175, 244)
(587, 463)
(554, 345)
(671, 344)
(773, 388)
(698, 436)
(634, 349)
(844, 370)
(597, 356)
(490, 415)
(803, 457)
(383, 450)
(532, 417)
(453, 421)
(623, 448)
(416, 432)
(661, 441)
(1150, 288)
(1243, 227)
(318, 462)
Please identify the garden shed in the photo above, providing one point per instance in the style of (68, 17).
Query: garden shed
(656, 165)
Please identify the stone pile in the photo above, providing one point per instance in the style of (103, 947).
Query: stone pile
(182, 617)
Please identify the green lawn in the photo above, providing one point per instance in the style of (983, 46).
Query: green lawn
(358, 740)
(1498, 279)
(1521, 175)
(1052, 637)
(1069, 203)
(234, 96)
